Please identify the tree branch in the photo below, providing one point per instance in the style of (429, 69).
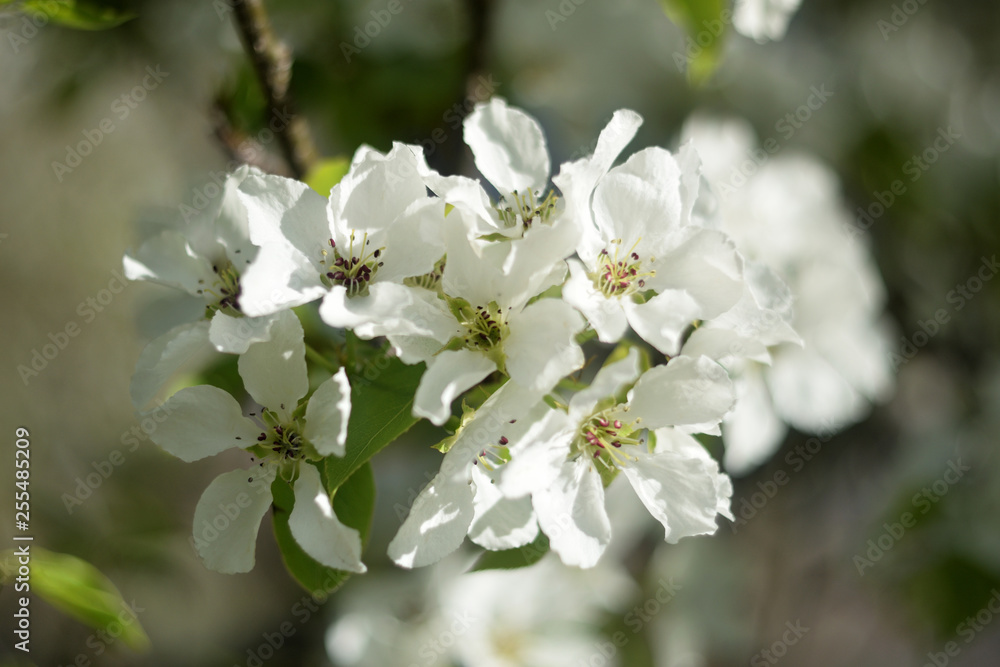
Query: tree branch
(273, 66)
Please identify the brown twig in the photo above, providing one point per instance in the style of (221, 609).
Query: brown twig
(273, 66)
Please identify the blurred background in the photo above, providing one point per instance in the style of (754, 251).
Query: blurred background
(819, 573)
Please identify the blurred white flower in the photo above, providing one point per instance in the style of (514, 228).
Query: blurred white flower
(788, 219)
(764, 20)
(546, 615)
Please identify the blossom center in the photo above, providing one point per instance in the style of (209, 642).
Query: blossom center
(603, 437)
(522, 211)
(224, 292)
(354, 269)
(485, 326)
(621, 273)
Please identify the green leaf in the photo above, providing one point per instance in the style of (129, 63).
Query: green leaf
(327, 173)
(354, 504)
(381, 411)
(513, 558)
(77, 588)
(706, 23)
(77, 13)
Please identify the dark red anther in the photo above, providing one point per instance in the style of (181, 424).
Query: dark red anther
(262, 437)
(635, 256)
(378, 251)
(503, 440)
(333, 244)
(618, 423)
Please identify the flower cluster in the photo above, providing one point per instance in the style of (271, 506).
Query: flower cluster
(588, 305)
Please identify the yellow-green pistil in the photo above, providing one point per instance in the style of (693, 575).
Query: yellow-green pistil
(525, 210)
(224, 290)
(621, 273)
(355, 269)
(603, 438)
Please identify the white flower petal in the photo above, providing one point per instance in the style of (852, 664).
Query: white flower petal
(437, 524)
(629, 208)
(227, 519)
(466, 193)
(274, 371)
(235, 334)
(605, 314)
(327, 414)
(316, 528)
(500, 522)
(752, 431)
(389, 309)
(168, 259)
(724, 346)
(538, 454)
(541, 348)
(287, 220)
(571, 513)
(577, 180)
(508, 146)
(610, 380)
(185, 347)
(662, 320)
(448, 374)
(377, 189)
(810, 394)
(681, 489)
(203, 421)
(415, 243)
(685, 391)
(763, 20)
(707, 266)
